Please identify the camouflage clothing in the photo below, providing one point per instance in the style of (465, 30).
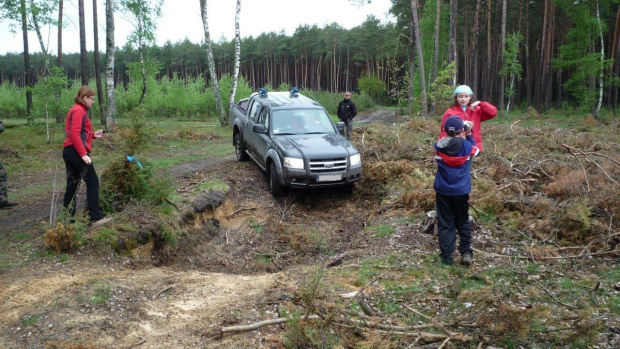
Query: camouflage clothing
(3, 197)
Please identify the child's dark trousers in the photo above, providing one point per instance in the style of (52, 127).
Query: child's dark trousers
(452, 215)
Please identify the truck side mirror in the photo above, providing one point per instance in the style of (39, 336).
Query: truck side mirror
(259, 129)
(340, 127)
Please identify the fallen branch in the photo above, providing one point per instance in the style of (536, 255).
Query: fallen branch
(433, 321)
(241, 209)
(251, 327)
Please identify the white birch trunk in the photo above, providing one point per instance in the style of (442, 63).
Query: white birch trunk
(235, 79)
(109, 68)
(211, 63)
(418, 45)
(601, 82)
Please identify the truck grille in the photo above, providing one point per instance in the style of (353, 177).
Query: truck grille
(328, 165)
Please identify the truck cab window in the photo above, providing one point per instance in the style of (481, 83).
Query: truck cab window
(254, 111)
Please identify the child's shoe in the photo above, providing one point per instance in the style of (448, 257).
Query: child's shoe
(467, 258)
(447, 261)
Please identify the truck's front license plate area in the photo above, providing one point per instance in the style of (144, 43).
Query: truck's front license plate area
(329, 178)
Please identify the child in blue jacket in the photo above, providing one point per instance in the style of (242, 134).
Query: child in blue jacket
(452, 187)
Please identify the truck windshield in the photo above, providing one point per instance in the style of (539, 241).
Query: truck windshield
(301, 121)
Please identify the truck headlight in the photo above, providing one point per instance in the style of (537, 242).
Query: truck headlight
(294, 163)
(355, 159)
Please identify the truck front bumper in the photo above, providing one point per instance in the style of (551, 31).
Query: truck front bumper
(304, 179)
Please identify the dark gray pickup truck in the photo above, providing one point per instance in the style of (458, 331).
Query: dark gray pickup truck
(292, 138)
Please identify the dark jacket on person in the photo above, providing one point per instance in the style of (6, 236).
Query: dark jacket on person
(78, 130)
(346, 110)
(453, 156)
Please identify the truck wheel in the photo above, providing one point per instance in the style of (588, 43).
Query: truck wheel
(239, 148)
(277, 189)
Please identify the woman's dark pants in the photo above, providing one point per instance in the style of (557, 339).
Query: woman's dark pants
(453, 215)
(78, 170)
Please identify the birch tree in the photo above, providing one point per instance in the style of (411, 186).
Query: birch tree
(418, 44)
(110, 110)
(602, 73)
(142, 15)
(211, 63)
(235, 79)
(41, 12)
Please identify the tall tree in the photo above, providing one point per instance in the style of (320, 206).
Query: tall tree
(60, 9)
(110, 109)
(474, 77)
(211, 63)
(97, 66)
(142, 14)
(503, 49)
(235, 79)
(40, 13)
(452, 57)
(418, 44)
(27, 70)
(83, 52)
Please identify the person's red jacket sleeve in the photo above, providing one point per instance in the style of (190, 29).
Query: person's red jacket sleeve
(487, 111)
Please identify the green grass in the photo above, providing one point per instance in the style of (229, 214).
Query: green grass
(30, 320)
(102, 293)
(383, 230)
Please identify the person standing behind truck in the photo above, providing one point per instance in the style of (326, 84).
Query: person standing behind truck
(4, 200)
(346, 112)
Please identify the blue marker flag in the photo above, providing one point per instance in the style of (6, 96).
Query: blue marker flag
(131, 158)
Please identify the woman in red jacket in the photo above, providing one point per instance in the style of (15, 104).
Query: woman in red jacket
(467, 108)
(76, 154)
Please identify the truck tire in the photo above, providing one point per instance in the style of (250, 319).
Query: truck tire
(277, 189)
(239, 148)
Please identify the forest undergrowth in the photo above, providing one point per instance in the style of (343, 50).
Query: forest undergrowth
(545, 202)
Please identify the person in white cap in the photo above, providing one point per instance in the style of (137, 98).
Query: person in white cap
(468, 109)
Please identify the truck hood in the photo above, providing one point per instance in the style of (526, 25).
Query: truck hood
(331, 145)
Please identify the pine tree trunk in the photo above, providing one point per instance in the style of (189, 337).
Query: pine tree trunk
(475, 77)
(98, 66)
(528, 69)
(235, 79)
(418, 44)
(436, 56)
(83, 52)
(502, 85)
(616, 62)
(453, 35)
(488, 81)
(28, 80)
(211, 63)
(109, 71)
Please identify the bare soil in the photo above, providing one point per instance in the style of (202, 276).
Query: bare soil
(242, 254)
(221, 272)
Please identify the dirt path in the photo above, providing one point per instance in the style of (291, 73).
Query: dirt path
(214, 278)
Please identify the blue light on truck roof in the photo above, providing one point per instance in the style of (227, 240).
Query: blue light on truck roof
(262, 92)
(294, 91)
